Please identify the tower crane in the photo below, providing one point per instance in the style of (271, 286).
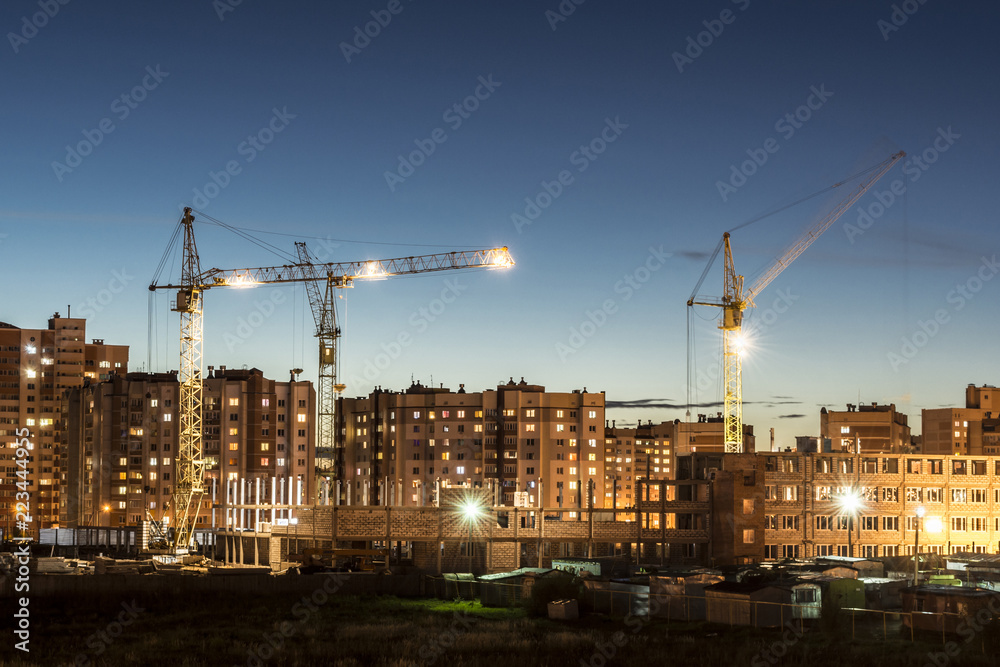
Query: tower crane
(190, 487)
(736, 299)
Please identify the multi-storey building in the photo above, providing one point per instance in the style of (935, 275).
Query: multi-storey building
(866, 428)
(530, 446)
(968, 430)
(630, 454)
(805, 516)
(707, 436)
(36, 367)
(121, 439)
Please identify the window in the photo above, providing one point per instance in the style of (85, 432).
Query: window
(460, 470)
(977, 495)
(845, 429)
(959, 496)
(233, 430)
(913, 466)
(934, 495)
(914, 494)
(958, 467)
(747, 504)
(789, 493)
(890, 523)
(959, 523)
(748, 536)
(869, 523)
(265, 461)
(593, 414)
(890, 494)
(824, 523)
(301, 417)
(936, 466)
(790, 522)
(770, 522)
(234, 402)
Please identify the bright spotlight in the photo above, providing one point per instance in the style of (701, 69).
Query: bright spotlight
(471, 510)
(850, 502)
(933, 525)
(921, 511)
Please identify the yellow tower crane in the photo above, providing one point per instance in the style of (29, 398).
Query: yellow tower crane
(735, 300)
(190, 487)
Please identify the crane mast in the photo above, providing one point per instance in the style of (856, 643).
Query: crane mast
(735, 300)
(190, 487)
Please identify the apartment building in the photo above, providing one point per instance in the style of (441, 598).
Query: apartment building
(804, 515)
(971, 430)
(644, 452)
(121, 438)
(866, 428)
(528, 445)
(707, 436)
(36, 367)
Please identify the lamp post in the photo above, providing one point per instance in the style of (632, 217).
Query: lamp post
(850, 503)
(472, 512)
(916, 545)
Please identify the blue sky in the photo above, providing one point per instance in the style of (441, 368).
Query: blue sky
(309, 119)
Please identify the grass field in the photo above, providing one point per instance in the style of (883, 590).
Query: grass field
(321, 630)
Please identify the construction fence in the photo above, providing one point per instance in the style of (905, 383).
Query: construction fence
(618, 599)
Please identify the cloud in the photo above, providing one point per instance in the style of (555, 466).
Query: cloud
(791, 416)
(665, 404)
(695, 255)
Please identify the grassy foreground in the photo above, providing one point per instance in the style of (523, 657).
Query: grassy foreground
(323, 630)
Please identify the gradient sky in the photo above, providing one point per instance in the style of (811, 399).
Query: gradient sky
(90, 233)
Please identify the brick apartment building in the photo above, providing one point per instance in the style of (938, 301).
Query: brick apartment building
(524, 443)
(872, 428)
(36, 367)
(960, 495)
(121, 436)
(972, 430)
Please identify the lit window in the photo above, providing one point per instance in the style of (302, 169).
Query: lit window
(529, 427)
(234, 446)
(416, 414)
(592, 471)
(281, 463)
(461, 414)
(29, 422)
(301, 417)
(572, 485)
(166, 460)
(168, 417)
(460, 470)
(560, 428)
(234, 402)
(31, 374)
(153, 402)
(265, 402)
(30, 349)
(572, 471)
(591, 457)
(265, 461)
(559, 414)
(265, 446)
(45, 422)
(593, 414)
(234, 430)
(845, 429)
(105, 364)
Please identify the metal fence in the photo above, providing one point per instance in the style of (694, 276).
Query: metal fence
(605, 598)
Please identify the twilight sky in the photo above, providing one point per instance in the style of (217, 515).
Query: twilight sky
(609, 145)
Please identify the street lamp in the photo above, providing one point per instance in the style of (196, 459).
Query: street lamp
(850, 503)
(107, 510)
(916, 545)
(472, 511)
